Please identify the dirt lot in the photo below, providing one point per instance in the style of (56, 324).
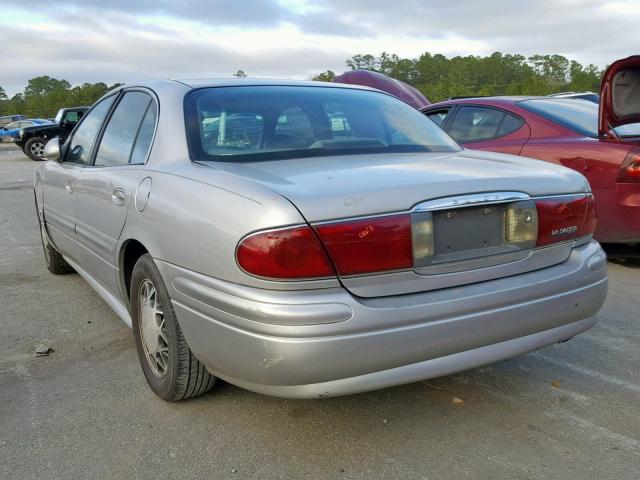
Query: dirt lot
(569, 411)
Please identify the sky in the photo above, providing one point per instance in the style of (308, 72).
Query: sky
(128, 40)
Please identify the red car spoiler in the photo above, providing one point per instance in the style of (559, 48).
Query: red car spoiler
(403, 91)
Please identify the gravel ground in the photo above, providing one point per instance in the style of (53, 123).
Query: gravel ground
(569, 411)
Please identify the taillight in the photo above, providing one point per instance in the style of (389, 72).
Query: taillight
(565, 218)
(630, 169)
(289, 253)
(369, 245)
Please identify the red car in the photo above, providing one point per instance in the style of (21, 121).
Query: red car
(602, 142)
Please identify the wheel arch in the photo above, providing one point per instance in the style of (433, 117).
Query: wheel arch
(130, 251)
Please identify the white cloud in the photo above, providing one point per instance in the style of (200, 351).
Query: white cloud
(124, 40)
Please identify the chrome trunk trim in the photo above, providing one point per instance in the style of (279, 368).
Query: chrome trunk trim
(475, 200)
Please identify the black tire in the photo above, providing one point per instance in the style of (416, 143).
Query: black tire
(183, 375)
(33, 146)
(55, 262)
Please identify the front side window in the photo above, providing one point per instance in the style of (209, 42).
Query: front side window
(474, 124)
(256, 123)
(581, 116)
(81, 143)
(119, 136)
(71, 117)
(13, 126)
(439, 116)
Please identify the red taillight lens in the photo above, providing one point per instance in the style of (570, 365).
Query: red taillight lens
(565, 218)
(369, 245)
(590, 218)
(630, 170)
(291, 253)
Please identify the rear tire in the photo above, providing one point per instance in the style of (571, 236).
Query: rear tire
(171, 370)
(34, 148)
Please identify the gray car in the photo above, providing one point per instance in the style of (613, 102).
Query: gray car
(307, 240)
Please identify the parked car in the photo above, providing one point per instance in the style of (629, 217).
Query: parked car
(605, 147)
(11, 132)
(405, 92)
(7, 119)
(592, 97)
(33, 139)
(290, 257)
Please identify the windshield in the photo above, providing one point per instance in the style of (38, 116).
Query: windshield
(581, 116)
(254, 123)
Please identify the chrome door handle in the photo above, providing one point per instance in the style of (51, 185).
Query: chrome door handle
(70, 186)
(118, 196)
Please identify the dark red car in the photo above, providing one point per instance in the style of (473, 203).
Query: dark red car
(600, 141)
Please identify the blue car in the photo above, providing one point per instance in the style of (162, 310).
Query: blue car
(10, 132)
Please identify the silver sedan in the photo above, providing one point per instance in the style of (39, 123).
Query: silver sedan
(309, 240)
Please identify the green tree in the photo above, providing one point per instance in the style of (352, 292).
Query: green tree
(326, 76)
(3, 94)
(44, 96)
(240, 74)
(439, 77)
(44, 85)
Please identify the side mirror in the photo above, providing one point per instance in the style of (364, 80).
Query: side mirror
(52, 150)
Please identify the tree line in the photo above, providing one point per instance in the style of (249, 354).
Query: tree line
(435, 75)
(439, 77)
(44, 96)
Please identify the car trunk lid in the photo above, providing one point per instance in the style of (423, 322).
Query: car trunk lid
(464, 197)
(620, 95)
(328, 188)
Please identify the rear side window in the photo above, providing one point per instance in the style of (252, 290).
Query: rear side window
(117, 142)
(581, 116)
(79, 150)
(474, 124)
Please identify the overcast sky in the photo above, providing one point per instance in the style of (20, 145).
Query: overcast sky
(127, 40)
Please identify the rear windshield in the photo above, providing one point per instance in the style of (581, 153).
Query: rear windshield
(256, 123)
(578, 115)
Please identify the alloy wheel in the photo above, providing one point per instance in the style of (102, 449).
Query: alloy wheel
(37, 149)
(152, 329)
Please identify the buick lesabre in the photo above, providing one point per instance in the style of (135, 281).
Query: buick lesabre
(309, 240)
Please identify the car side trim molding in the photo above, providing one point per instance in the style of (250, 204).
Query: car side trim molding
(114, 303)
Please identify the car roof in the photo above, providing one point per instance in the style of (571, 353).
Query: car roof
(498, 100)
(193, 83)
(232, 82)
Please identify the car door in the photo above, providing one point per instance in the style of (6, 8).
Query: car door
(488, 128)
(105, 188)
(60, 180)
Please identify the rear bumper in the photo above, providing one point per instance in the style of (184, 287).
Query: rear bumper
(319, 343)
